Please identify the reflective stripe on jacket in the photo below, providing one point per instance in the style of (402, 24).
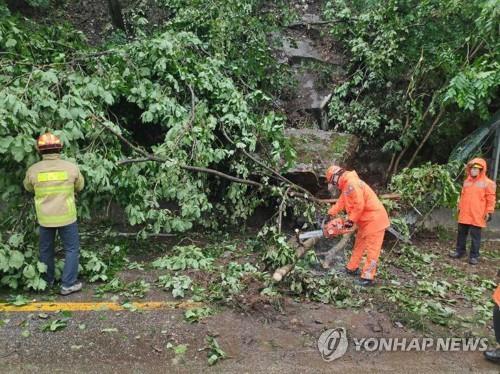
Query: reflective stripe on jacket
(477, 197)
(361, 204)
(54, 182)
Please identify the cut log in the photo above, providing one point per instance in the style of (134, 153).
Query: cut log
(336, 249)
(301, 249)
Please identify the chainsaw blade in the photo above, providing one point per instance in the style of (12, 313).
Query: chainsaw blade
(311, 234)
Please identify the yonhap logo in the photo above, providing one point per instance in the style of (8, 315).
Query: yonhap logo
(333, 343)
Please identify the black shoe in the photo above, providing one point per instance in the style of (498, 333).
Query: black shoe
(473, 261)
(364, 282)
(456, 255)
(351, 272)
(493, 355)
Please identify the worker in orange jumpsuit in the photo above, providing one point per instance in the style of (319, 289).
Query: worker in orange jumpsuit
(475, 208)
(366, 211)
(494, 354)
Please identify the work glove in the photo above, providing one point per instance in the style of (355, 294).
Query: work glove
(488, 217)
(348, 224)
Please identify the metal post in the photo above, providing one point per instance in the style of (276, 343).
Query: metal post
(497, 153)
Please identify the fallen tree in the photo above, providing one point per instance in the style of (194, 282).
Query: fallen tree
(158, 98)
(148, 120)
(302, 248)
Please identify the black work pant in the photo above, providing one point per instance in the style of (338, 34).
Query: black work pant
(496, 322)
(475, 234)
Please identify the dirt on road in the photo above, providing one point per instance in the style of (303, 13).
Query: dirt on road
(144, 342)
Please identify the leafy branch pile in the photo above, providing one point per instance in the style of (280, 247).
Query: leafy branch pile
(147, 117)
(179, 94)
(428, 290)
(429, 186)
(420, 72)
(20, 268)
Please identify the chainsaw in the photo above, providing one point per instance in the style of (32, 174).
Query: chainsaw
(331, 229)
(339, 226)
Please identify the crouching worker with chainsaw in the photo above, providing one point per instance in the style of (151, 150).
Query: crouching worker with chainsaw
(364, 210)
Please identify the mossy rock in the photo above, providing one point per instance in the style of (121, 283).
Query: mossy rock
(316, 151)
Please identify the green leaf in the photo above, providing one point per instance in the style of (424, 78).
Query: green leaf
(180, 349)
(29, 272)
(16, 259)
(129, 306)
(11, 43)
(19, 300)
(41, 267)
(16, 240)
(197, 314)
(5, 143)
(55, 325)
(212, 359)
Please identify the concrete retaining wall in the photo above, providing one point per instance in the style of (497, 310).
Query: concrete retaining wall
(446, 218)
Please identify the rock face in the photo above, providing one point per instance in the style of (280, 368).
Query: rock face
(316, 151)
(315, 63)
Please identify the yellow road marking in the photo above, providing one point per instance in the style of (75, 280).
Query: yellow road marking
(49, 306)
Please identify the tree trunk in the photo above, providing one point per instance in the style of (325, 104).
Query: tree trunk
(393, 167)
(115, 10)
(429, 132)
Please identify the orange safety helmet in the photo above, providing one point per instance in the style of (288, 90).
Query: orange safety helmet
(48, 141)
(333, 171)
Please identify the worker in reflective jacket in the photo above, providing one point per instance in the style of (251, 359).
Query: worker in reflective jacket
(475, 208)
(54, 182)
(366, 211)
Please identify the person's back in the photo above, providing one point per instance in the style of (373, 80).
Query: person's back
(373, 215)
(54, 182)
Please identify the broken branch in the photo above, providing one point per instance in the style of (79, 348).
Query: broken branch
(272, 171)
(150, 157)
(337, 248)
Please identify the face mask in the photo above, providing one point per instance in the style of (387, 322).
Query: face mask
(474, 172)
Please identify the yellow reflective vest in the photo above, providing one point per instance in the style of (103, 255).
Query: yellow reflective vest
(54, 182)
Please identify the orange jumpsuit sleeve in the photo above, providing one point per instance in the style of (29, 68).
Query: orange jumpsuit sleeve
(496, 295)
(354, 202)
(490, 196)
(337, 207)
